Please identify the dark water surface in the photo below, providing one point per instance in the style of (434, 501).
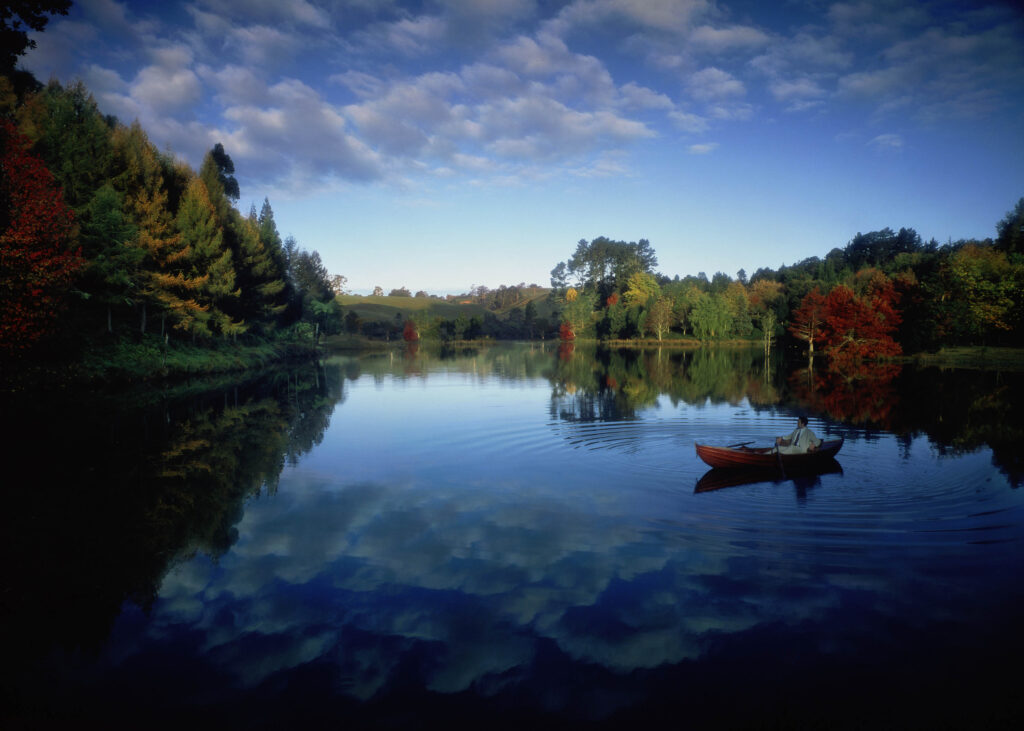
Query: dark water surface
(517, 536)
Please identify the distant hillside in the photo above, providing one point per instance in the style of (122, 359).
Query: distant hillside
(384, 309)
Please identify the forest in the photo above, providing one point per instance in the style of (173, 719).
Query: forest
(884, 294)
(104, 236)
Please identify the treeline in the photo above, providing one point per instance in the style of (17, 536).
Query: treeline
(883, 294)
(101, 232)
(502, 298)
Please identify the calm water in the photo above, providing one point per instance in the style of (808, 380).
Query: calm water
(518, 535)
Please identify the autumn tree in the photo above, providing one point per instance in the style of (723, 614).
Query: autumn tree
(165, 281)
(860, 327)
(210, 262)
(641, 288)
(981, 291)
(807, 320)
(36, 266)
(577, 313)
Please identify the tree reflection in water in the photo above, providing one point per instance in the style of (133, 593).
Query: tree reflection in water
(133, 484)
(958, 410)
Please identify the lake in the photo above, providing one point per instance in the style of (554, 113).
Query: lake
(517, 535)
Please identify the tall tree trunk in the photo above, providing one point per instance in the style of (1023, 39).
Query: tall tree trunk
(110, 321)
(142, 326)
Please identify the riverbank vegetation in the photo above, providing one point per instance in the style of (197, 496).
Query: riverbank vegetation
(121, 259)
(884, 294)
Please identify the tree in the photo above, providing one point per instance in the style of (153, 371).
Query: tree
(400, 292)
(807, 320)
(642, 288)
(36, 266)
(1010, 230)
(319, 307)
(764, 295)
(164, 278)
(210, 263)
(577, 313)
(73, 139)
(16, 19)
(659, 318)
(711, 317)
(112, 264)
(604, 265)
(980, 291)
(860, 327)
(225, 171)
(339, 283)
(738, 303)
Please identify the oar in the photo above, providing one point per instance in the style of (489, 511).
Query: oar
(741, 444)
(778, 457)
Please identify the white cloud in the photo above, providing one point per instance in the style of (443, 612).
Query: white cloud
(667, 16)
(641, 97)
(737, 37)
(260, 45)
(688, 122)
(714, 83)
(705, 148)
(795, 89)
(887, 141)
(271, 12)
(166, 90)
(296, 133)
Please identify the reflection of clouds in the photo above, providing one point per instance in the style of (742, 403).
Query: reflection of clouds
(461, 582)
(476, 573)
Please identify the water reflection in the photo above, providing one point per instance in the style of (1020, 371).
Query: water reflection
(802, 478)
(512, 534)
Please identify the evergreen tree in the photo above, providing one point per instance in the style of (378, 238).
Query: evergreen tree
(210, 261)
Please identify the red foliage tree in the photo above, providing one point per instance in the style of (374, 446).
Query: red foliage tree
(858, 327)
(36, 267)
(409, 332)
(807, 320)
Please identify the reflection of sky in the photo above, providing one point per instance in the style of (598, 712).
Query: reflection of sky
(450, 519)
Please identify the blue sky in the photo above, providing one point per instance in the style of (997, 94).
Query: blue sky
(442, 144)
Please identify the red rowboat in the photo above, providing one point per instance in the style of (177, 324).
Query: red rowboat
(743, 456)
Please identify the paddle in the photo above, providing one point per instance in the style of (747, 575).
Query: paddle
(778, 457)
(741, 444)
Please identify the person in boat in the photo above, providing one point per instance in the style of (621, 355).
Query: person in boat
(801, 440)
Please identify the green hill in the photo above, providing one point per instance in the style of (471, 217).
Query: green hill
(384, 309)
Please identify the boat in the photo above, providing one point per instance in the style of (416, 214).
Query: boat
(742, 456)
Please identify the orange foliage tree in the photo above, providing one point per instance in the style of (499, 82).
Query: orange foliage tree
(858, 327)
(36, 265)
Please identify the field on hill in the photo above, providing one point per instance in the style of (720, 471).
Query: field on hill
(385, 309)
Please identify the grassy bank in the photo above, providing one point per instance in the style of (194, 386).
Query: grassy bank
(148, 359)
(978, 357)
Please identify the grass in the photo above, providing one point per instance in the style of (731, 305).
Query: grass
(384, 309)
(132, 360)
(978, 357)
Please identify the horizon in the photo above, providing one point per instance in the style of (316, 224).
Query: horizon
(461, 145)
